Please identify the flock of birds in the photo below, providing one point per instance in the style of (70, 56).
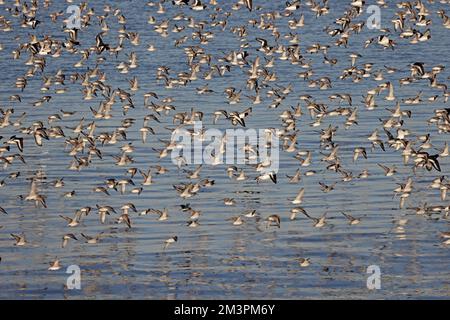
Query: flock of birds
(256, 58)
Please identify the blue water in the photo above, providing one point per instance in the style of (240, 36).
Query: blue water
(216, 259)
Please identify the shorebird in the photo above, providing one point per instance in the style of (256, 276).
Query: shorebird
(295, 178)
(318, 222)
(304, 262)
(273, 219)
(445, 235)
(34, 196)
(194, 214)
(249, 4)
(163, 214)
(124, 218)
(73, 222)
(193, 224)
(92, 240)
(66, 238)
(388, 171)
(170, 241)
(299, 198)
(358, 152)
(229, 201)
(185, 207)
(20, 239)
(295, 211)
(326, 188)
(351, 220)
(251, 213)
(55, 265)
(267, 176)
(425, 160)
(236, 221)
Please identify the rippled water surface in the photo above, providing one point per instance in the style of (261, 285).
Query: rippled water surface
(217, 259)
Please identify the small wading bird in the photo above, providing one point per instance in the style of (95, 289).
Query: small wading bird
(170, 241)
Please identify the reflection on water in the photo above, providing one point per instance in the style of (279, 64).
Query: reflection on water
(217, 259)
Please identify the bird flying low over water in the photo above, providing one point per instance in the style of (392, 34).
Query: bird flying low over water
(175, 126)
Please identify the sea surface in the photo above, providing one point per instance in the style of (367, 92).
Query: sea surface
(218, 260)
